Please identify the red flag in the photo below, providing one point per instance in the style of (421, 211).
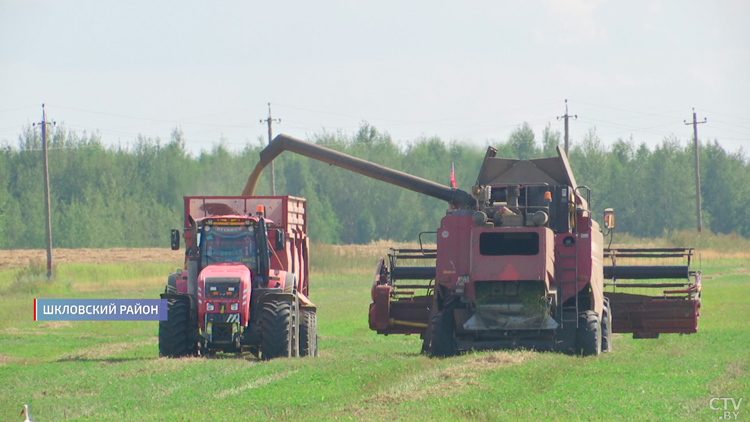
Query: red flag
(453, 175)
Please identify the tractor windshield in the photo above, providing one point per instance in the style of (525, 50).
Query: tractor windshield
(229, 244)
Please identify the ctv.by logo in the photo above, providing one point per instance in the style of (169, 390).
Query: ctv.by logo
(727, 414)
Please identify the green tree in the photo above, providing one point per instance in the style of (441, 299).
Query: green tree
(522, 141)
(550, 140)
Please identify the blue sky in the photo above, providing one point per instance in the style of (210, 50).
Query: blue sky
(468, 71)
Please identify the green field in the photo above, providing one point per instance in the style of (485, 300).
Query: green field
(110, 371)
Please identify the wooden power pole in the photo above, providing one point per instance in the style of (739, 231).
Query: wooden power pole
(270, 121)
(695, 124)
(567, 132)
(44, 124)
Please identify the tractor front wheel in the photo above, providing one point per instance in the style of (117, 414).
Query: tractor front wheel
(443, 341)
(589, 334)
(276, 330)
(176, 338)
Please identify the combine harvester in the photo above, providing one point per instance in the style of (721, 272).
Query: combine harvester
(519, 262)
(245, 283)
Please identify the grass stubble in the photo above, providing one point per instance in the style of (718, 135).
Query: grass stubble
(111, 370)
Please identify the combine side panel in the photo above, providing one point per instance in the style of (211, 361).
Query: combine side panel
(648, 300)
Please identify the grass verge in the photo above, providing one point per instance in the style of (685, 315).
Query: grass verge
(110, 371)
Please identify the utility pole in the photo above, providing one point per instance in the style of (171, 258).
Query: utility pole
(44, 124)
(269, 121)
(695, 124)
(567, 132)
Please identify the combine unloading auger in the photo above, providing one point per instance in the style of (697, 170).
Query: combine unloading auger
(520, 262)
(283, 143)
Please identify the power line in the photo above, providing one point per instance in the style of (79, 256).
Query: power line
(16, 109)
(630, 128)
(727, 115)
(730, 123)
(663, 114)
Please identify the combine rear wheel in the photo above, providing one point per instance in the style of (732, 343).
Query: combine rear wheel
(308, 334)
(443, 341)
(589, 334)
(176, 338)
(276, 330)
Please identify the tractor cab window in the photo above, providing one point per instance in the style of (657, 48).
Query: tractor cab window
(229, 244)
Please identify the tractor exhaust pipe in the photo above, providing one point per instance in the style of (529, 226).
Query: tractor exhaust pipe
(192, 264)
(281, 143)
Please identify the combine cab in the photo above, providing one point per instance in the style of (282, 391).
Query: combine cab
(519, 263)
(245, 282)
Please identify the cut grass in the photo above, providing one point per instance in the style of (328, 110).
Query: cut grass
(110, 371)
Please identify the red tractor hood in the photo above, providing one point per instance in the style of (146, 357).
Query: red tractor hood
(226, 270)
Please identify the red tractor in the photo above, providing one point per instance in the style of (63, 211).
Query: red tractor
(245, 283)
(520, 262)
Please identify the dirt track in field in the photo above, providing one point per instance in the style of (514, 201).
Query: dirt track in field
(22, 257)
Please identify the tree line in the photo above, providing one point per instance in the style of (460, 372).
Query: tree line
(131, 196)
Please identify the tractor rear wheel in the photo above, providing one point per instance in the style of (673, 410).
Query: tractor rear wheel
(443, 341)
(607, 328)
(308, 334)
(589, 334)
(176, 338)
(276, 330)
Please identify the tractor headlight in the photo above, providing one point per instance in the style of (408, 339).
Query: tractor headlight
(209, 306)
(234, 306)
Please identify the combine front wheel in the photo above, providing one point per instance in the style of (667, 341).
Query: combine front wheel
(589, 334)
(276, 331)
(443, 342)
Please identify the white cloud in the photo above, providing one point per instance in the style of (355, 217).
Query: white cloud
(705, 75)
(576, 19)
(577, 77)
(655, 7)
(622, 79)
(538, 34)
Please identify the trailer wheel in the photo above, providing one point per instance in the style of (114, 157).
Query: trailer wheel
(308, 334)
(607, 329)
(443, 341)
(276, 330)
(589, 334)
(176, 338)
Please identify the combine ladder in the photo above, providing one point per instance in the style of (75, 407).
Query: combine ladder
(569, 277)
(569, 267)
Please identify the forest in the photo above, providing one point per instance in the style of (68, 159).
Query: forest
(131, 196)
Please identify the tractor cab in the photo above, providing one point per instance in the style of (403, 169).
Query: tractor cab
(228, 240)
